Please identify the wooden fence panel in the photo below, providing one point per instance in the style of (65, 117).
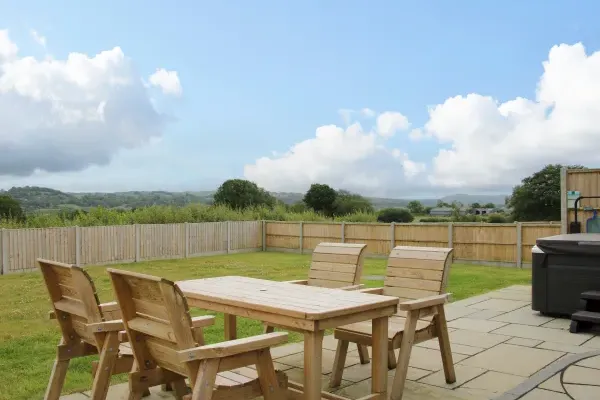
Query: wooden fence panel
(377, 237)
(315, 233)
(24, 246)
(245, 235)
(162, 241)
(207, 238)
(531, 232)
(485, 242)
(283, 235)
(107, 244)
(426, 235)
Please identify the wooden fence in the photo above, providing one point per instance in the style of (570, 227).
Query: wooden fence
(491, 244)
(19, 248)
(486, 244)
(587, 183)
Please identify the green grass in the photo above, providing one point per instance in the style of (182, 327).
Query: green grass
(28, 339)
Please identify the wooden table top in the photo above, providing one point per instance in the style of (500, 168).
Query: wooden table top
(292, 300)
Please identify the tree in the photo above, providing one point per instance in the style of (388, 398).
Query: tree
(416, 207)
(489, 205)
(348, 203)
(388, 215)
(443, 204)
(298, 207)
(475, 205)
(537, 198)
(240, 193)
(10, 208)
(321, 198)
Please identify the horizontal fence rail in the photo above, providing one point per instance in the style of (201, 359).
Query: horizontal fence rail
(486, 244)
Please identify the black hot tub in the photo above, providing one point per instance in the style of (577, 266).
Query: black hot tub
(564, 266)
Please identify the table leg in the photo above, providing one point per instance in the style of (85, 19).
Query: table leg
(230, 327)
(313, 364)
(380, 356)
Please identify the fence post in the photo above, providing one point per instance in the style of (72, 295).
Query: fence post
(450, 234)
(186, 229)
(3, 252)
(138, 235)
(228, 236)
(392, 235)
(301, 237)
(564, 210)
(343, 232)
(519, 245)
(77, 245)
(264, 235)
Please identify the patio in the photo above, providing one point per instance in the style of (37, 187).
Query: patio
(502, 350)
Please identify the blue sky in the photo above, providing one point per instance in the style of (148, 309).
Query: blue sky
(261, 76)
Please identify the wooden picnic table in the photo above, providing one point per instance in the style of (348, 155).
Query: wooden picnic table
(307, 309)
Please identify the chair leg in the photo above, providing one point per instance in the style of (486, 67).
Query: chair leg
(267, 377)
(363, 353)
(445, 349)
(205, 381)
(404, 357)
(57, 379)
(392, 359)
(338, 363)
(180, 389)
(106, 364)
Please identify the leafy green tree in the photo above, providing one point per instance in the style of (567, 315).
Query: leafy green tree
(475, 205)
(241, 193)
(298, 207)
(10, 208)
(321, 198)
(489, 205)
(416, 207)
(348, 203)
(442, 203)
(537, 198)
(395, 215)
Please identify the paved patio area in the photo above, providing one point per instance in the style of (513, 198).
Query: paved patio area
(502, 350)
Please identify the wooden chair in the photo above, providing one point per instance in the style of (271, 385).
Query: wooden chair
(336, 265)
(158, 324)
(87, 327)
(418, 276)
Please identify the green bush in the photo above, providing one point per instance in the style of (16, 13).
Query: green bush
(496, 219)
(395, 215)
(434, 219)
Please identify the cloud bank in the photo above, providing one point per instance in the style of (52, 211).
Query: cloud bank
(484, 144)
(67, 115)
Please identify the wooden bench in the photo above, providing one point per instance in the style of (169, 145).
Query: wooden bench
(157, 321)
(418, 276)
(87, 327)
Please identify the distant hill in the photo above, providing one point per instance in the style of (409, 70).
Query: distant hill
(35, 198)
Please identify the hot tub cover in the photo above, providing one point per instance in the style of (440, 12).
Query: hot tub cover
(572, 243)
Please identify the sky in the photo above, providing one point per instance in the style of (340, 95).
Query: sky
(383, 98)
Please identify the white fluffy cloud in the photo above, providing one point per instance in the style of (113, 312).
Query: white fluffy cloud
(66, 115)
(167, 81)
(484, 144)
(350, 158)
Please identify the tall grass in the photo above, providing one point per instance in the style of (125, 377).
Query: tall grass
(174, 214)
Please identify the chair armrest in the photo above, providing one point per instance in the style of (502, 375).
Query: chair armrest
(424, 302)
(233, 347)
(201, 322)
(111, 310)
(106, 326)
(298, 282)
(375, 290)
(353, 287)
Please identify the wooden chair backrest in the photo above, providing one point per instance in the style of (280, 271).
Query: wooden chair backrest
(74, 299)
(416, 272)
(157, 319)
(336, 264)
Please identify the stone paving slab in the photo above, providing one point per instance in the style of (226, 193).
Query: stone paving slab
(501, 350)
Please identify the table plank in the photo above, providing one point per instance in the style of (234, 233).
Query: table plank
(299, 301)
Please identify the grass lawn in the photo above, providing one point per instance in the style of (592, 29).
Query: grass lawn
(28, 339)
